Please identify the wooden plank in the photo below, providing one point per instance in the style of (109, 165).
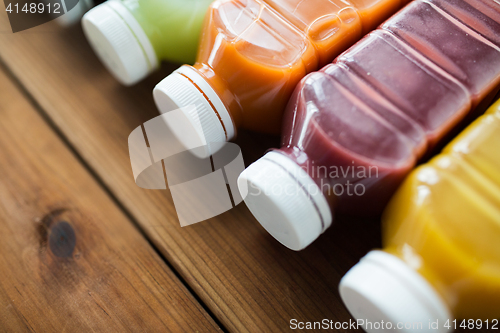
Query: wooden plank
(249, 281)
(70, 260)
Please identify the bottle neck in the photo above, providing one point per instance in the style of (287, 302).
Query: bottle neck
(129, 13)
(212, 97)
(301, 172)
(384, 288)
(173, 27)
(417, 263)
(314, 170)
(223, 90)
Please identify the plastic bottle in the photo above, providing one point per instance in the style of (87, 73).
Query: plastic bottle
(354, 130)
(441, 231)
(254, 52)
(131, 37)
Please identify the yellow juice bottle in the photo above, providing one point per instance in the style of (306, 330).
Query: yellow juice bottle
(440, 265)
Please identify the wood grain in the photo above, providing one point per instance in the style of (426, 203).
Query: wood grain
(248, 280)
(70, 260)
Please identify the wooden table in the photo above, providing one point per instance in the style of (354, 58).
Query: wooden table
(82, 248)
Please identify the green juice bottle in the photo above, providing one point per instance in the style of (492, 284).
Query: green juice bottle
(131, 37)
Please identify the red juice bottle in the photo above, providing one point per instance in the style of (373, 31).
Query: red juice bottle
(355, 129)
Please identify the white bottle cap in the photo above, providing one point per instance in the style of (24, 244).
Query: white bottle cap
(75, 14)
(120, 42)
(382, 287)
(285, 200)
(186, 87)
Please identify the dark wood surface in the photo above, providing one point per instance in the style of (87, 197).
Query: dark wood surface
(67, 149)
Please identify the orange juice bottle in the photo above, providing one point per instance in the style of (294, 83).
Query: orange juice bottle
(441, 236)
(253, 53)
